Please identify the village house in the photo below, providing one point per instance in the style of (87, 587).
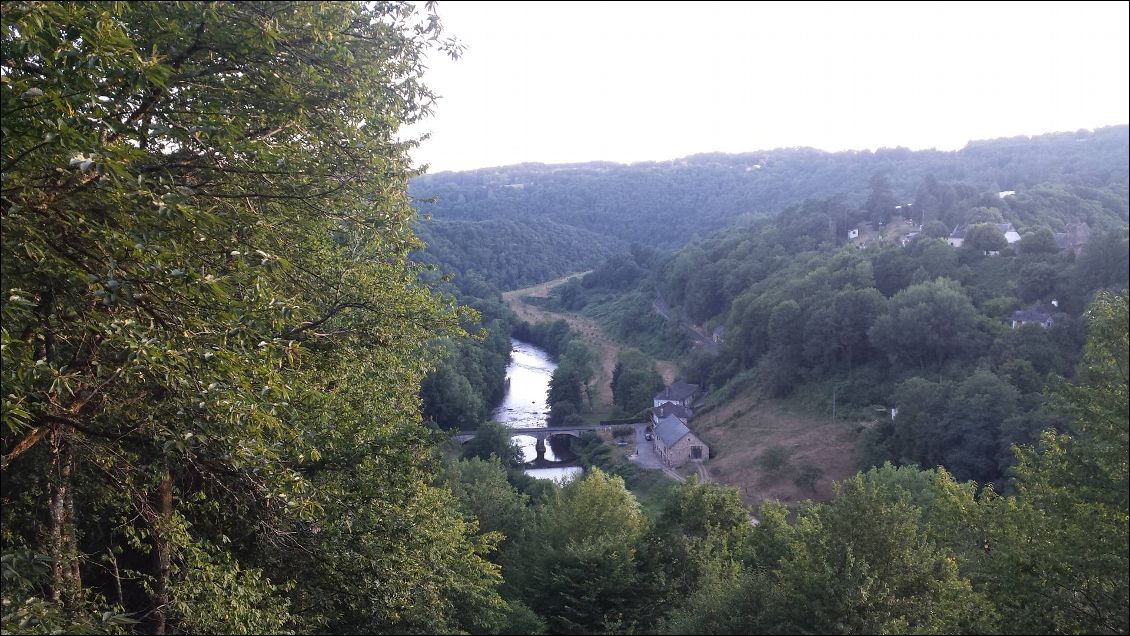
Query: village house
(957, 237)
(679, 393)
(676, 444)
(1035, 315)
(668, 409)
(1010, 233)
(1074, 238)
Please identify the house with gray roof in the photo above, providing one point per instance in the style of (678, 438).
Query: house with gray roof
(1036, 315)
(670, 408)
(679, 393)
(676, 444)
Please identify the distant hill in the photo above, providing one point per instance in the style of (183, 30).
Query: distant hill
(664, 204)
(510, 253)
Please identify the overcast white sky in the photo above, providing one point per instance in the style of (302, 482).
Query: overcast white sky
(577, 81)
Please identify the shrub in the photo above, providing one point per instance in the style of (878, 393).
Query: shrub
(774, 457)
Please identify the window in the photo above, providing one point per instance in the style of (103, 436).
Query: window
(696, 452)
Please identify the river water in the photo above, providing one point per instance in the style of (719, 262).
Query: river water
(525, 405)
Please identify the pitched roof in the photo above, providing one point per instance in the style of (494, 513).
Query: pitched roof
(677, 392)
(671, 429)
(1039, 313)
(669, 408)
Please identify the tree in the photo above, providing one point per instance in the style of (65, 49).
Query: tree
(935, 229)
(634, 381)
(865, 563)
(855, 312)
(482, 490)
(449, 400)
(212, 335)
(986, 237)
(970, 430)
(578, 567)
(494, 440)
(786, 345)
(929, 322)
(1058, 552)
(881, 201)
(1038, 241)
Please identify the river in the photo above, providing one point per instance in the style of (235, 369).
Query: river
(525, 406)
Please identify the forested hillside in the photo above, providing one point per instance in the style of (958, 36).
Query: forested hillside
(510, 253)
(666, 203)
(924, 327)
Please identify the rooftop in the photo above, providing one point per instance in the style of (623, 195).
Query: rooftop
(671, 429)
(677, 392)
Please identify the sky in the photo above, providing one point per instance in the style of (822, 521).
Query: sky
(560, 82)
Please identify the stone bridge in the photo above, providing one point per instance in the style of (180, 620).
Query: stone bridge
(540, 433)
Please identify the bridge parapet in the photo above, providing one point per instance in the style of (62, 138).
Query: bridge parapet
(541, 433)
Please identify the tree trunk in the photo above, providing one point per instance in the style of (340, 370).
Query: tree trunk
(64, 551)
(163, 552)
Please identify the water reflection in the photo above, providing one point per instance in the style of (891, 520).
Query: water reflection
(525, 406)
(528, 374)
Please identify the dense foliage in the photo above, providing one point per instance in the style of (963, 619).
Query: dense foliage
(213, 338)
(634, 381)
(511, 253)
(469, 379)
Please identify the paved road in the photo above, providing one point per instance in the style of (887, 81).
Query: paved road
(645, 456)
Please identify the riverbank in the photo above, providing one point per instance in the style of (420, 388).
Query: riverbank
(605, 348)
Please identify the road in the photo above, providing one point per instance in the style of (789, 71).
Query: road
(698, 336)
(645, 456)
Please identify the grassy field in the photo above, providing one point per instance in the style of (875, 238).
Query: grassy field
(762, 447)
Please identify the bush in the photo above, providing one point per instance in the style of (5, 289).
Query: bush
(773, 457)
(807, 476)
(623, 431)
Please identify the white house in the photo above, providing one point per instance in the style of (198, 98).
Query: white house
(1010, 233)
(957, 236)
(679, 393)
